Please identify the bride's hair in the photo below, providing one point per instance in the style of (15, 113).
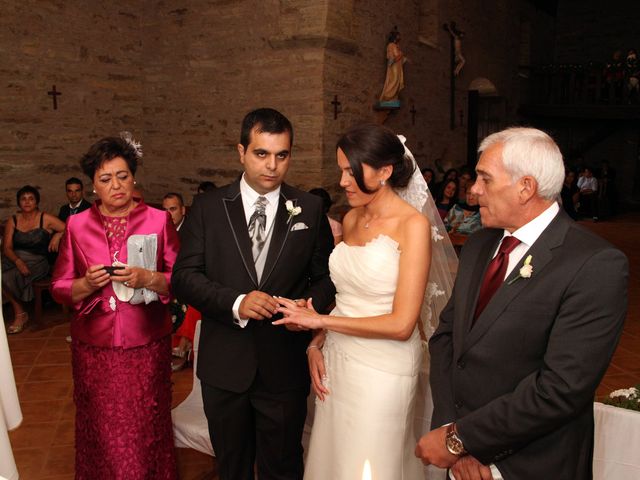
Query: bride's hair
(378, 147)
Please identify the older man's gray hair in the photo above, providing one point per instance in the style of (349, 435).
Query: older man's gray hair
(529, 151)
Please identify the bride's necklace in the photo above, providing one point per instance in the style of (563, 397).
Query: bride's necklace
(374, 216)
(367, 222)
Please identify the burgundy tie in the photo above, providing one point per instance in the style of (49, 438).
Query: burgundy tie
(495, 274)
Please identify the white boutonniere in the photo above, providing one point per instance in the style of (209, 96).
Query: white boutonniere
(292, 210)
(525, 271)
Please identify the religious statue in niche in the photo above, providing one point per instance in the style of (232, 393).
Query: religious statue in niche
(632, 73)
(457, 35)
(394, 81)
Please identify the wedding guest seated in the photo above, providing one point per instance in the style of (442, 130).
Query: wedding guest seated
(465, 181)
(447, 197)
(570, 194)
(607, 192)
(451, 174)
(75, 195)
(29, 236)
(464, 219)
(429, 176)
(206, 186)
(588, 185)
(185, 333)
(336, 226)
(174, 204)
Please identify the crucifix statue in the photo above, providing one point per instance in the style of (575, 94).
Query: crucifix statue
(53, 93)
(457, 62)
(335, 104)
(456, 36)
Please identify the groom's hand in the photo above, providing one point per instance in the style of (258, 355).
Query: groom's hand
(257, 305)
(469, 468)
(432, 450)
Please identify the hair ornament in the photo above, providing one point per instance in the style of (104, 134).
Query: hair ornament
(137, 146)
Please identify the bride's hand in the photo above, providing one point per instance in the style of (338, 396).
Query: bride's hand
(305, 317)
(317, 371)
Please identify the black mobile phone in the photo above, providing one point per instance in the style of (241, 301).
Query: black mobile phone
(111, 270)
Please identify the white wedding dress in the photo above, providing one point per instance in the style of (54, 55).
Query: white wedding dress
(373, 383)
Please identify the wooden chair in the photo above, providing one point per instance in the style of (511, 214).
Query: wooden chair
(39, 287)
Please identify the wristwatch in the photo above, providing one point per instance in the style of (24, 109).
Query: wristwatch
(452, 441)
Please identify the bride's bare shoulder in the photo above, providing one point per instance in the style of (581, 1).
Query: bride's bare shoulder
(414, 224)
(350, 218)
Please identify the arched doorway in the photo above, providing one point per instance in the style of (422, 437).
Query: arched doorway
(486, 115)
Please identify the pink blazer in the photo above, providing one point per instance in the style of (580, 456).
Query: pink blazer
(101, 319)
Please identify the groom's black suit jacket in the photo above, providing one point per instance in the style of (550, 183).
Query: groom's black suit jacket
(215, 265)
(520, 383)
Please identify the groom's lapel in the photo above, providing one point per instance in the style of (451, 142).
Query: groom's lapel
(281, 229)
(238, 223)
(541, 254)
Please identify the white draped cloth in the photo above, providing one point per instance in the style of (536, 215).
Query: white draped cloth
(616, 454)
(11, 413)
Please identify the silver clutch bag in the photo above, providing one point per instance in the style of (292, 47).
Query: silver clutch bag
(142, 251)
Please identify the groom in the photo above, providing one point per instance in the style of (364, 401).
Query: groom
(535, 316)
(241, 245)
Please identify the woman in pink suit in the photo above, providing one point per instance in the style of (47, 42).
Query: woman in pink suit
(121, 350)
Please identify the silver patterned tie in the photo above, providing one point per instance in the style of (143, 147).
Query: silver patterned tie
(257, 227)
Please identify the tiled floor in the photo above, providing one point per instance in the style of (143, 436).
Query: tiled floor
(43, 444)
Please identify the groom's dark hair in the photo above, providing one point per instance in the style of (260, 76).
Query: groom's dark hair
(376, 146)
(264, 120)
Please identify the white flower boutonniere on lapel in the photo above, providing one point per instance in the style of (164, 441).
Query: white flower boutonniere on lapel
(292, 210)
(525, 271)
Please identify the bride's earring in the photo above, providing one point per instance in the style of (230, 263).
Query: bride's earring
(383, 183)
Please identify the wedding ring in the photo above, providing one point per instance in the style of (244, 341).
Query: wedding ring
(126, 284)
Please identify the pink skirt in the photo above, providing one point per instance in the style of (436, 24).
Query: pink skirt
(123, 412)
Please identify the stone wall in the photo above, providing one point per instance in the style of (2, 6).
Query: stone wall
(209, 63)
(355, 69)
(180, 76)
(92, 56)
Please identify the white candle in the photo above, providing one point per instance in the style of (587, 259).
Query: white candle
(366, 471)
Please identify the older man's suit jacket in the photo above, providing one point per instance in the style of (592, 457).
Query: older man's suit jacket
(520, 382)
(215, 266)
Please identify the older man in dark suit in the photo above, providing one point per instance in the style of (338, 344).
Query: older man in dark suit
(536, 313)
(241, 245)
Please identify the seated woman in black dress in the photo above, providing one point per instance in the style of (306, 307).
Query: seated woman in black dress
(28, 237)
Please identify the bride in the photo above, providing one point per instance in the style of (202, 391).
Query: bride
(367, 356)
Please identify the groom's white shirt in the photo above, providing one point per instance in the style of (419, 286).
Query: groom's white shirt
(249, 197)
(527, 234)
